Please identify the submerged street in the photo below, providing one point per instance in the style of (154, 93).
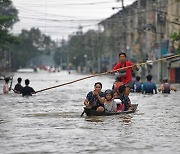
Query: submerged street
(50, 122)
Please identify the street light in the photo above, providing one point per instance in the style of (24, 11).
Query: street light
(119, 7)
(85, 57)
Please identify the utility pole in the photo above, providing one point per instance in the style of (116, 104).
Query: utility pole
(122, 4)
(159, 38)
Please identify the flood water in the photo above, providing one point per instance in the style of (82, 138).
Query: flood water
(50, 122)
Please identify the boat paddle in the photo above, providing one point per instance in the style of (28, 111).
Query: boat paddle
(90, 102)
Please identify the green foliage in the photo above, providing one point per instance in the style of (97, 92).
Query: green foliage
(90, 44)
(176, 38)
(8, 16)
(6, 39)
(31, 44)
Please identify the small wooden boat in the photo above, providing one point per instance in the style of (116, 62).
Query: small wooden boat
(90, 112)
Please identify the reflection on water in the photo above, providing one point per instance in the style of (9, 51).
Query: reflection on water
(50, 122)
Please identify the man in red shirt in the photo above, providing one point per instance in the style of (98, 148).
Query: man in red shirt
(126, 73)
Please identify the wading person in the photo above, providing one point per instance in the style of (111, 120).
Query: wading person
(6, 86)
(125, 73)
(137, 86)
(149, 87)
(166, 87)
(27, 90)
(95, 99)
(18, 87)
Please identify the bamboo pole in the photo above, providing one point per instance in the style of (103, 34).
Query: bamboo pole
(104, 73)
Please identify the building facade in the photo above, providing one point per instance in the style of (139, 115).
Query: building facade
(143, 30)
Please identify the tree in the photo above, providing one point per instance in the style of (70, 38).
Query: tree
(60, 55)
(31, 44)
(176, 38)
(8, 17)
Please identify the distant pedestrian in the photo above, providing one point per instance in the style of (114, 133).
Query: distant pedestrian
(27, 90)
(18, 87)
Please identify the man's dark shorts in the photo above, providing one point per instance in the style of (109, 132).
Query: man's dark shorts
(129, 84)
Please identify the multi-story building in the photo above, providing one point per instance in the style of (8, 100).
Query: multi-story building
(172, 27)
(143, 30)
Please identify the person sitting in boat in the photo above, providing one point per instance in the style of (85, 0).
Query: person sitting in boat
(27, 90)
(166, 87)
(95, 99)
(120, 105)
(18, 87)
(137, 87)
(123, 95)
(117, 84)
(109, 104)
(149, 87)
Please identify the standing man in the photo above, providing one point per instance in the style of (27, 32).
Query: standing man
(166, 87)
(6, 85)
(27, 90)
(18, 87)
(126, 73)
(149, 87)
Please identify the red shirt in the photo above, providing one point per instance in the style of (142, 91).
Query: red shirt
(128, 77)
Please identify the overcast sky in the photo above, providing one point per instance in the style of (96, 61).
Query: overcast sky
(60, 18)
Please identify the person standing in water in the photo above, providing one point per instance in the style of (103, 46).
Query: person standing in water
(27, 90)
(137, 86)
(18, 87)
(125, 73)
(166, 87)
(6, 86)
(149, 87)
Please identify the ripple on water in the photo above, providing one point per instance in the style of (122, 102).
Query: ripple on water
(50, 122)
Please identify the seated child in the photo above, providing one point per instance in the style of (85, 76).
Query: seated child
(120, 106)
(109, 104)
(123, 95)
(117, 84)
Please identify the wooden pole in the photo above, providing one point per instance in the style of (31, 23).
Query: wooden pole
(90, 76)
